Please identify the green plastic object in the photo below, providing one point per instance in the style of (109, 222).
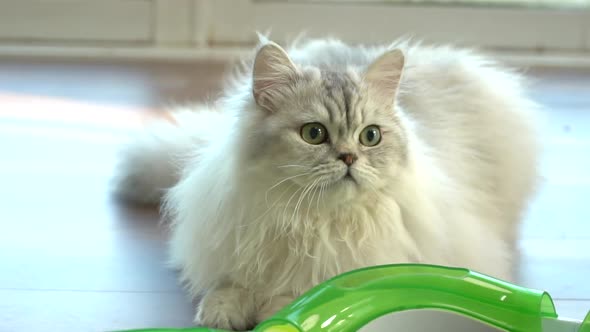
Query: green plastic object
(350, 301)
(586, 324)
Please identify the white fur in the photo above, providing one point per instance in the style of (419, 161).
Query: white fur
(153, 162)
(471, 168)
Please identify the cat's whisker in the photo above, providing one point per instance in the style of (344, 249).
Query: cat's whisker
(320, 195)
(324, 193)
(274, 204)
(287, 166)
(316, 188)
(369, 175)
(313, 190)
(283, 223)
(301, 198)
(281, 182)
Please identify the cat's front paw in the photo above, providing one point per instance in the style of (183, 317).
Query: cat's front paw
(227, 308)
(272, 306)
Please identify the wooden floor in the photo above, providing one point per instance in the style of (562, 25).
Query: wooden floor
(73, 259)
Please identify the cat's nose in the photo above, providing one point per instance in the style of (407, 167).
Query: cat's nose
(348, 158)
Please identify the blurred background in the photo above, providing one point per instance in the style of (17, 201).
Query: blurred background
(197, 28)
(77, 78)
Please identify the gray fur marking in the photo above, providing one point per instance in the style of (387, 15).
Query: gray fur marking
(337, 83)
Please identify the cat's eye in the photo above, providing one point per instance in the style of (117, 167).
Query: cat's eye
(370, 136)
(314, 133)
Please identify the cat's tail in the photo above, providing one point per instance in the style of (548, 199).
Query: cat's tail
(153, 161)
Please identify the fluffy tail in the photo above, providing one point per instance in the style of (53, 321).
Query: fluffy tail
(154, 160)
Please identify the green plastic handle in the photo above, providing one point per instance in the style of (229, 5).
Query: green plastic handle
(349, 301)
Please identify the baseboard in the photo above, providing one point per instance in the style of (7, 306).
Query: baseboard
(514, 58)
(125, 52)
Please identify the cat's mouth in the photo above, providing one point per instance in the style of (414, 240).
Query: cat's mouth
(348, 177)
(345, 178)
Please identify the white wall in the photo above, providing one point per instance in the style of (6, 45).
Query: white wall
(197, 28)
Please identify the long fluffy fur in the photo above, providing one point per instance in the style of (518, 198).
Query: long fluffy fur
(471, 168)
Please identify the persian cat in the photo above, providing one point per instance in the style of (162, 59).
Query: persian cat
(324, 157)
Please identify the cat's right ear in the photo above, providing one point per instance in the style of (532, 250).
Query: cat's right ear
(273, 75)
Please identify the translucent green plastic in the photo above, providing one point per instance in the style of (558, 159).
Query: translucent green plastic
(348, 302)
(586, 324)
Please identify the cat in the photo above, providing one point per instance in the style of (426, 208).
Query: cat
(326, 157)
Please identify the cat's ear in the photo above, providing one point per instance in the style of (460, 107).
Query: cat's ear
(384, 75)
(273, 75)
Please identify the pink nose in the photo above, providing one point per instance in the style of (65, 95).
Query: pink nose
(347, 158)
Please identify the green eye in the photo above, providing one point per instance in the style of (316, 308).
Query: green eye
(371, 136)
(314, 133)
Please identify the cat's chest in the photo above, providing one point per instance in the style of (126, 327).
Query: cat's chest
(316, 246)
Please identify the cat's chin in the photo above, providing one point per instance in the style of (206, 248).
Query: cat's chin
(344, 189)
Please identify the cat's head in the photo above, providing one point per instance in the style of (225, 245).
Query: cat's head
(316, 128)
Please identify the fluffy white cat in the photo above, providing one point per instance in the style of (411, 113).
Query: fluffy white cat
(326, 157)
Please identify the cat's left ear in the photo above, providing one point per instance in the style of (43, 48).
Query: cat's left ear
(384, 75)
(272, 77)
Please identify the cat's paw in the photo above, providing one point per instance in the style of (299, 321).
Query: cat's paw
(272, 306)
(227, 308)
